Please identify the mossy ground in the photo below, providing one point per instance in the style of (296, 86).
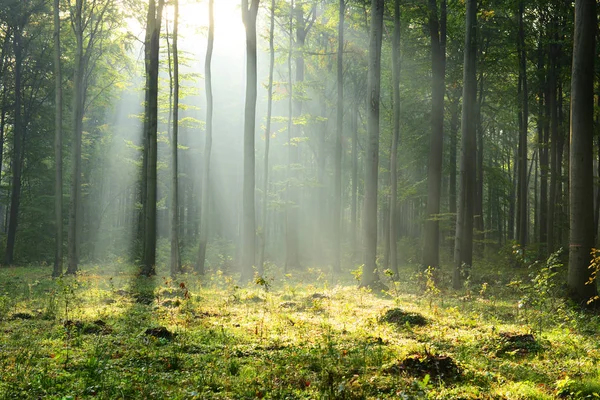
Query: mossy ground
(97, 336)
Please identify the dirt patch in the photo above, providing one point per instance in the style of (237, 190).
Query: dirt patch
(97, 327)
(400, 317)
(21, 315)
(160, 333)
(435, 365)
(517, 344)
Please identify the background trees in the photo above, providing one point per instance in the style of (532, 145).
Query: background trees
(331, 167)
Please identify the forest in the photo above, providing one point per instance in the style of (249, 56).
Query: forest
(299, 199)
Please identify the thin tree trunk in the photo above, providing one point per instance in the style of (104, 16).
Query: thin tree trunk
(463, 249)
(58, 197)
(265, 188)
(522, 209)
(204, 210)
(337, 185)
(395, 140)
(74, 205)
(369, 275)
(151, 127)
(434, 170)
(581, 284)
(175, 252)
(18, 134)
(249, 216)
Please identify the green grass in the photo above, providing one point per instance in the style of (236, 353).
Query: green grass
(85, 337)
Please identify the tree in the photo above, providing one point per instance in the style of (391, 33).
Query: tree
(175, 252)
(265, 187)
(204, 208)
(249, 14)
(337, 185)
(151, 57)
(434, 171)
(58, 197)
(369, 275)
(582, 286)
(463, 248)
(523, 95)
(395, 140)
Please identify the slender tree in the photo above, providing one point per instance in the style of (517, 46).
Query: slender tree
(200, 264)
(58, 182)
(434, 171)
(522, 209)
(369, 275)
(152, 46)
(265, 188)
(249, 14)
(175, 252)
(337, 185)
(395, 140)
(463, 248)
(581, 285)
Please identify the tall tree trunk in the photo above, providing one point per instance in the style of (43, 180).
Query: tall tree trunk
(75, 201)
(463, 249)
(337, 185)
(204, 214)
(265, 188)
(17, 158)
(58, 182)
(395, 140)
(290, 230)
(369, 275)
(452, 159)
(554, 143)
(175, 252)
(522, 209)
(580, 283)
(152, 47)
(431, 246)
(354, 173)
(249, 217)
(543, 151)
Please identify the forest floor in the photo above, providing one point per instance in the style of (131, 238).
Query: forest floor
(108, 334)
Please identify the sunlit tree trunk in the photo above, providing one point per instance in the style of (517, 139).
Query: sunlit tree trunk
(369, 276)
(265, 188)
(150, 132)
(434, 171)
(58, 196)
(249, 13)
(75, 196)
(522, 209)
(204, 209)
(463, 248)
(581, 286)
(337, 185)
(393, 265)
(175, 252)
(18, 132)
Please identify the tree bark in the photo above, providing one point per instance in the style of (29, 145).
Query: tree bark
(17, 161)
(58, 178)
(522, 209)
(249, 216)
(463, 249)
(582, 286)
(337, 185)
(152, 47)
(175, 252)
(395, 140)
(369, 275)
(265, 188)
(431, 246)
(204, 210)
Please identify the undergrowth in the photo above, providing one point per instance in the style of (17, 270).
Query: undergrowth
(109, 334)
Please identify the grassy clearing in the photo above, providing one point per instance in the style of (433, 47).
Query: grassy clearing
(108, 334)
